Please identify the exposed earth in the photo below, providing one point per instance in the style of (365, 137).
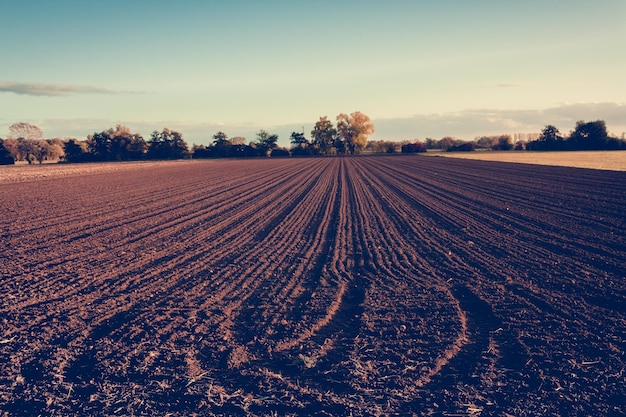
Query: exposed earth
(334, 286)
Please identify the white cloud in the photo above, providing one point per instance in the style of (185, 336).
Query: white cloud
(45, 89)
(470, 123)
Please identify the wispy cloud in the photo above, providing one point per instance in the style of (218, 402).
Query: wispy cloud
(45, 89)
(469, 123)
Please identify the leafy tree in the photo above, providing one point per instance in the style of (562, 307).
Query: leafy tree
(485, 142)
(125, 146)
(99, 145)
(43, 150)
(323, 135)
(199, 152)
(589, 136)
(5, 156)
(414, 147)
(221, 145)
(432, 143)
(266, 142)
(298, 139)
(118, 144)
(503, 143)
(220, 138)
(447, 142)
(301, 144)
(460, 146)
(550, 139)
(76, 151)
(353, 130)
(167, 144)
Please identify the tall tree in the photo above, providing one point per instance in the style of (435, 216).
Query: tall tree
(99, 145)
(353, 130)
(550, 139)
(266, 142)
(589, 135)
(221, 145)
(167, 144)
(298, 139)
(76, 151)
(323, 135)
(126, 145)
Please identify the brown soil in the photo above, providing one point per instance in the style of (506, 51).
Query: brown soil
(332, 286)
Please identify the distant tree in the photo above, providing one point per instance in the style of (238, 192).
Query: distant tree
(432, 143)
(221, 145)
(462, 147)
(447, 142)
(237, 140)
(323, 135)
(382, 146)
(414, 147)
(76, 151)
(42, 151)
(5, 156)
(167, 144)
(550, 139)
(125, 145)
(279, 152)
(27, 131)
(220, 138)
(340, 145)
(589, 136)
(57, 149)
(550, 133)
(503, 143)
(99, 145)
(298, 139)
(27, 149)
(301, 145)
(12, 146)
(266, 142)
(485, 142)
(199, 152)
(353, 130)
(28, 137)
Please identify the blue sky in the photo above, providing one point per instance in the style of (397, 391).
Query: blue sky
(417, 68)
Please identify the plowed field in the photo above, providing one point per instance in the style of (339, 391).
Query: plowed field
(332, 286)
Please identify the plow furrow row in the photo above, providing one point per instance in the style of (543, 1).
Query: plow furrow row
(323, 286)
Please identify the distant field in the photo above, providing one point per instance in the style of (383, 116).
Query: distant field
(607, 160)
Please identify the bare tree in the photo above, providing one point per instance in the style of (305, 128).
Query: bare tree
(27, 141)
(23, 130)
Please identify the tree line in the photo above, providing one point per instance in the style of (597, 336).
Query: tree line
(585, 136)
(26, 143)
(589, 136)
(348, 136)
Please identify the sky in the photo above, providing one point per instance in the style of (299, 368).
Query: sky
(417, 68)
